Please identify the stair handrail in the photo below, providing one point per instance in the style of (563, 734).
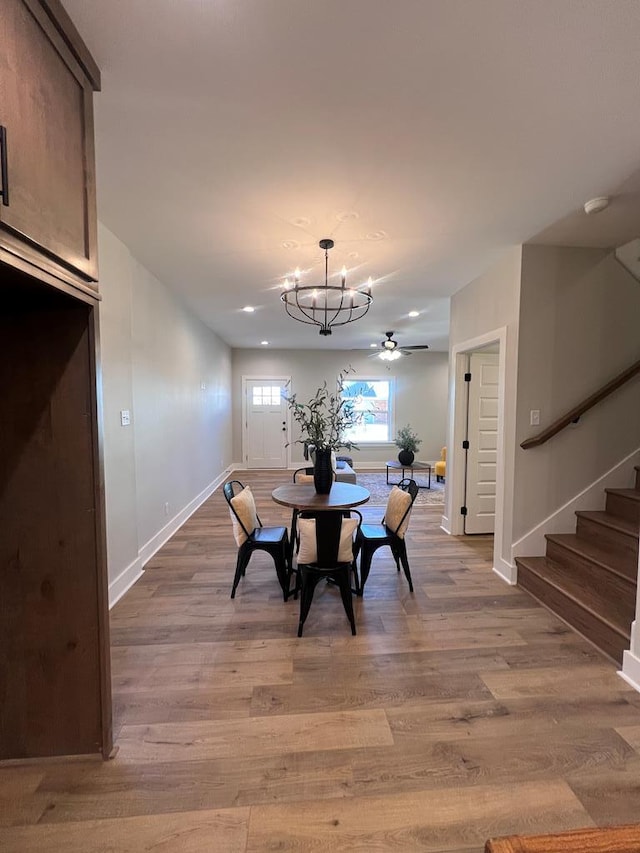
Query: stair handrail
(581, 408)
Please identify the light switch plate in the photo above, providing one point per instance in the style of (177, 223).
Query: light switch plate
(534, 419)
(125, 417)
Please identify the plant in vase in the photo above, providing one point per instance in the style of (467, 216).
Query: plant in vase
(408, 442)
(323, 422)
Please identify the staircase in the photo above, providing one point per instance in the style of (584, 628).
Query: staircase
(588, 578)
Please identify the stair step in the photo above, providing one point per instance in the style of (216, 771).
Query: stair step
(590, 555)
(610, 531)
(604, 623)
(624, 503)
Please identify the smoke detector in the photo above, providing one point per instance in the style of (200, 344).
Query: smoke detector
(595, 205)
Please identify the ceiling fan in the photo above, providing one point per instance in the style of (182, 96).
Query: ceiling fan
(390, 349)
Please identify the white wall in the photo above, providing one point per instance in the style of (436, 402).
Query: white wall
(579, 314)
(488, 304)
(421, 392)
(156, 357)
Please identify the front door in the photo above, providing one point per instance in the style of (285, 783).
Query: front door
(482, 434)
(266, 423)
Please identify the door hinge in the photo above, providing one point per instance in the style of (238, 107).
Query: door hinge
(463, 510)
(465, 445)
(467, 377)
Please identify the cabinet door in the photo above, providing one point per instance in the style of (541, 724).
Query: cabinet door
(47, 111)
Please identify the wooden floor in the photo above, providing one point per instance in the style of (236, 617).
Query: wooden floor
(460, 712)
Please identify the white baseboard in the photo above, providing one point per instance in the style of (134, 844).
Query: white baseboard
(631, 670)
(506, 571)
(125, 581)
(134, 572)
(156, 542)
(631, 659)
(562, 520)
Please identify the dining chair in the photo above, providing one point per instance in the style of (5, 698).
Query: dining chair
(391, 531)
(250, 535)
(303, 475)
(327, 552)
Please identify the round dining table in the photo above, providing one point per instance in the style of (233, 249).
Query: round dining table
(302, 497)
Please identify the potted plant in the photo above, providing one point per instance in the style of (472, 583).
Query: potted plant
(323, 422)
(408, 442)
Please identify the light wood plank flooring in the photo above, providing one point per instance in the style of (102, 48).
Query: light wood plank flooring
(460, 712)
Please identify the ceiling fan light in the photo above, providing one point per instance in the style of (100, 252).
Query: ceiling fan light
(390, 354)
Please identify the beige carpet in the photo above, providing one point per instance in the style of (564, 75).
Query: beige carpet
(376, 483)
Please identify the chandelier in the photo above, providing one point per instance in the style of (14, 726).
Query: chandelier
(326, 305)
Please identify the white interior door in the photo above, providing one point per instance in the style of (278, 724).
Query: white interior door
(266, 423)
(482, 434)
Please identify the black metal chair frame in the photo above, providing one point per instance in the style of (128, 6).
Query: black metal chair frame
(366, 547)
(273, 540)
(309, 575)
(308, 471)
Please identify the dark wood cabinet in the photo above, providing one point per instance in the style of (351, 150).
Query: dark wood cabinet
(55, 685)
(54, 634)
(47, 79)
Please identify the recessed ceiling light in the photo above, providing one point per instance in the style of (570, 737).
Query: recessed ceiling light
(249, 309)
(265, 343)
(373, 346)
(414, 313)
(595, 205)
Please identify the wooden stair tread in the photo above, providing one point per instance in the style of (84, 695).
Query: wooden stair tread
(631, 494)
(621, 525)
(622, 564)
(610, 839)
(615, 614)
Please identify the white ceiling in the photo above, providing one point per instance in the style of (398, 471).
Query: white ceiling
(424, 136)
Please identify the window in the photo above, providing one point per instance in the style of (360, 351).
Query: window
(266, 395)
(373, 398)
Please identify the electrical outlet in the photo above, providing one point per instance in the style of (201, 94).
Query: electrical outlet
(534, 417)
(203, 386)
(125, 417)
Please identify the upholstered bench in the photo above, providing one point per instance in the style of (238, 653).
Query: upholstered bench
(344, 472)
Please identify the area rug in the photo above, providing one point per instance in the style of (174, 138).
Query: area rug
(376, 483)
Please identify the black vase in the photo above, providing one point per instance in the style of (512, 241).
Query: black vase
(322, 472)
(406, 457)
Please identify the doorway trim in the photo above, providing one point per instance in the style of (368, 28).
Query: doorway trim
(452, 521)
(253, 377)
